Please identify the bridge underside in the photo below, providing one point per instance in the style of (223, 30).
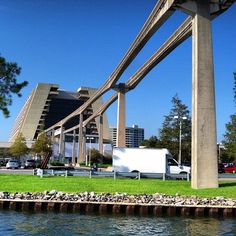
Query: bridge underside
(201, 12)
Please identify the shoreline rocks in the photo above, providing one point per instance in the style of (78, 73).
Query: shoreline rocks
(149, 199)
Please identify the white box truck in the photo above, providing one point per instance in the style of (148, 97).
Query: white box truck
(146, 160)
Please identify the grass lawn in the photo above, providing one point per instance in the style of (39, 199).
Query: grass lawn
(28, 183)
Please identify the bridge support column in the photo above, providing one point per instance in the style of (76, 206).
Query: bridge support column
(62, 143)
(204, 153)
(53, 141)
(120, 139)
(80, 145)
(101, 134)
(73, 148)
(84, 144)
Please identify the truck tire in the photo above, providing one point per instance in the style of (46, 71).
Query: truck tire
(182, 173)
(135, 171)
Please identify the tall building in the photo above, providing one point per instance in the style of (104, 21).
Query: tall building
(47, 104)
(133, 136)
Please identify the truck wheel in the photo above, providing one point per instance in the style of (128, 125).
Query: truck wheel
(183, 173)
(135, 171)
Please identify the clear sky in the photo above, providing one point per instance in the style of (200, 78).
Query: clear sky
(77, 43)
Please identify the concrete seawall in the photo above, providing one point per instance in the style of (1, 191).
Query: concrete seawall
(117, 208)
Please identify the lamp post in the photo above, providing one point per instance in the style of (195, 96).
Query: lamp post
(90, 147)
(180, 118)
(220, 146)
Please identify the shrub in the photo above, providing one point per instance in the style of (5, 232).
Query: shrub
(56, 163)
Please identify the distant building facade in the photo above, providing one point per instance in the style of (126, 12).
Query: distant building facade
(133, 136)
(47, 104)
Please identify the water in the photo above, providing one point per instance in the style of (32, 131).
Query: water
(56, 224)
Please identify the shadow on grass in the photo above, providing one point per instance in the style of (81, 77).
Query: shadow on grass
(232, 184)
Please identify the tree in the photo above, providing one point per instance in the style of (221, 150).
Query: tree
(169, 133)
(4, 152)
(229, 141)
(152, 142)
(96, 156)
(8, 84)
(42, 145)
(19, 148)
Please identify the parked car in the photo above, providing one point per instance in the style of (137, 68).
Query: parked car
(230, 168)
(30, 163)
(13, 164)
(3, 162)
(221, 168)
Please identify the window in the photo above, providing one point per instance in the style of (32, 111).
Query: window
(172, 162)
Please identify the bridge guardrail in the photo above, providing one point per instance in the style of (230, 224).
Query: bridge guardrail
(137, 175)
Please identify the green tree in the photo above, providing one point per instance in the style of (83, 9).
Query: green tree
(96, 156)
(169, 133)
(8, 84)
(4, 152)
(229, 141)
(19, 148)
(42, 145)
(152, 142)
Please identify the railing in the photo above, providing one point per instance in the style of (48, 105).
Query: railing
(135, 175)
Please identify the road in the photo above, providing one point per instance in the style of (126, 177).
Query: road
(17, 171)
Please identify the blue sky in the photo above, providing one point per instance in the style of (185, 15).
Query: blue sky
(77, 43)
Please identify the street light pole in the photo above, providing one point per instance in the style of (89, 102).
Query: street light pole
(90, 147)
(180, 136)
(219, 151)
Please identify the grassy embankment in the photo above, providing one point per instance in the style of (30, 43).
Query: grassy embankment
(26, 183)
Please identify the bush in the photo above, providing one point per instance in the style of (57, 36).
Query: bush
(107, 160)
(56, 163)
(103, 165)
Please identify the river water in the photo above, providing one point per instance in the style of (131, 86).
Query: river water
(56, 224)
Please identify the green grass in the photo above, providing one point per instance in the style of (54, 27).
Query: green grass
(27, 183)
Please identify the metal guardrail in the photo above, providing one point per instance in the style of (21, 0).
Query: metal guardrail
(135, 175)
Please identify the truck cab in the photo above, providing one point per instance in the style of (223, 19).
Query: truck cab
(174, 167)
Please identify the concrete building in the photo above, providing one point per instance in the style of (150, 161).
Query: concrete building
(47, 104)
(133, 136)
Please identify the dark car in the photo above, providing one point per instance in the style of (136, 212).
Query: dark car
(230, 168)
(94, 167)
(221, 168)
(30, 163)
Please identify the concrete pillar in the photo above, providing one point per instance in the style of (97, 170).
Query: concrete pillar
(53, 141)
(120, 139)
(80, 145)
(62, 143)
(204, 153)
(101, 134)
(73, 147)
(84, 144)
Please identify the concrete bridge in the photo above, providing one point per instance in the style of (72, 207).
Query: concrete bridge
(197, 24)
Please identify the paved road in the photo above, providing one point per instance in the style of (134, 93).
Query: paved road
(17, 171)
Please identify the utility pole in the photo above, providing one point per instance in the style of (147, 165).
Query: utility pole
(181, 118)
